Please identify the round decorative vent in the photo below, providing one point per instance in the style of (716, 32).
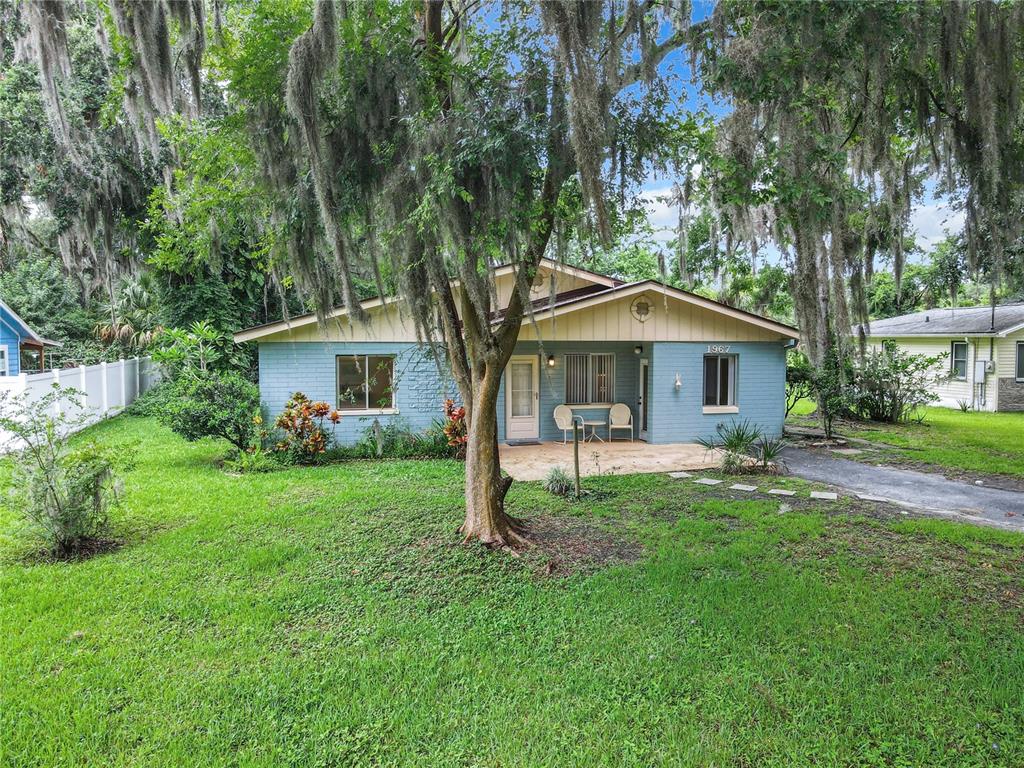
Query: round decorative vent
(641, 308)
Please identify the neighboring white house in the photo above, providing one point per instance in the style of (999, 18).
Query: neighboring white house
(983, 348)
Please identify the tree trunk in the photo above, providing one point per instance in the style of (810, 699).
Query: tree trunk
(486, 520)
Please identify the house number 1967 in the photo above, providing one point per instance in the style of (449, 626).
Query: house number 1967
(718, 348)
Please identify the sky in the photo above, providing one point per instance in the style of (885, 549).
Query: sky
(931, 220)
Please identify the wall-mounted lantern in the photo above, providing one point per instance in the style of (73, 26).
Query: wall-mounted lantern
(679, 381)
(638, 350)
(551, 361)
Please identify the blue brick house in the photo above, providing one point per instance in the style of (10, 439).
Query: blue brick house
(681, 363)
(20, 346)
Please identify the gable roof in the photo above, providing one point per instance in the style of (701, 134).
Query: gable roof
(603, 288)
(23, 329)
(953, 321)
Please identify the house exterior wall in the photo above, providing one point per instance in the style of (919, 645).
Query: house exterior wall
(952, 391)
(552, 383)
(678, 415)
(311, 367)
(12, 339)
(1010, 391)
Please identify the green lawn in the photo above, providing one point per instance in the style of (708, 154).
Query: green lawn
(329, 617)
(990, 443)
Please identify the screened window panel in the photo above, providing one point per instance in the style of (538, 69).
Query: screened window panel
(602, 389)
(576, 373)
(351, 383)
(959, 361)
(365, 381)
(719, 380)
(1020, 360)
(710, 381)
(380, 374)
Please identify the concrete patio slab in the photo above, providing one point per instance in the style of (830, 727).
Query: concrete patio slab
(824, 495)
(742, 487)
(532, 462)
(781, 492)
(680, 475)
(708, 481)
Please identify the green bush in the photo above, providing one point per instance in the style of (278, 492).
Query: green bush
(62, 493)
(216, 405)
(396, 441)
(154, 401)
(253, 462)
(889, 384)
(556, 481)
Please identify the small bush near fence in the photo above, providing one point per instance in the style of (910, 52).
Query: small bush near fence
(215, 405)
(63, 493)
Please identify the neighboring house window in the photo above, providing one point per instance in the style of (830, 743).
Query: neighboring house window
(3, 360)
(958, 363)
(589, 379)
(365, 382)
(719, 380)
(1020, 361)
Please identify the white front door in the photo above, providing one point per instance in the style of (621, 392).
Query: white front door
(522, 399)
(641, 403)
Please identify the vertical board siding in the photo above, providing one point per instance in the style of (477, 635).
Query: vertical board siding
(677, 415)
(309, 367)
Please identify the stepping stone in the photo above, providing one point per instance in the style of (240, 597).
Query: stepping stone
(741, 487)
(781, 492)
(847, 451)
(707, 481)
(869, 497)
(679, 475)
(826, 495)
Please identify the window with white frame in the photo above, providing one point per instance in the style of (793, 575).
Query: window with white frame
(4, 368)
(719, 380)
(958, 360)
(589, 379)
(365, 382)
(1020, 361)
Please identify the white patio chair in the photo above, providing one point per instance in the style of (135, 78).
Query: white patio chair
(563, 420)
(620, 417)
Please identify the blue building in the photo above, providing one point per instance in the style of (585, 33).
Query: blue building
(21, 348)
(681, 363)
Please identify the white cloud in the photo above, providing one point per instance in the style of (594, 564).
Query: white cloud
(933, 221)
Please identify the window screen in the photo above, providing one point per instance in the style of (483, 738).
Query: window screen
(958, 362)
(365, 382)
(1020, 361)
(589, 378)
(719, 380)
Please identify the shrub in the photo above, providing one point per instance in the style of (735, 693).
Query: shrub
(216, 405)
(734, 437)
(63, 493)
(768, 451)
(252, 462)
(831, 390)
(890, 384)
(396, 441)
(154, 401)
(455, 427)
(735, 463)
(304, 438)
(556, 481)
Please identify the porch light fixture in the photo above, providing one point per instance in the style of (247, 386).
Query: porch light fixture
(551, 361)
(638, 350)
(679, 381)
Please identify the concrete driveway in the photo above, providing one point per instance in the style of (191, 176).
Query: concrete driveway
(915, 489)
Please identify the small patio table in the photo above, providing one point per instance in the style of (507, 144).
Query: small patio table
(593, 424)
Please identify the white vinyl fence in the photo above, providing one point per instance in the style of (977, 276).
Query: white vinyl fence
(101, 390)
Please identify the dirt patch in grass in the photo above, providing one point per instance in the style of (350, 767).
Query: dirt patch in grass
(85, 550)
(563, 546)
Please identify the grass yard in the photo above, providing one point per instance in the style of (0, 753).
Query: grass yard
(329, 617)
(988, 443)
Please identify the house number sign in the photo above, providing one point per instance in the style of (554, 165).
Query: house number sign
(718, 348)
